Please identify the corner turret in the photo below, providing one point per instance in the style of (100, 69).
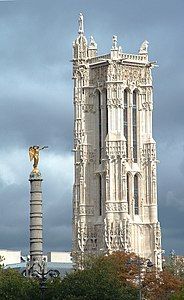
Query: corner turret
(92, 49)
(80, 44)
(116, 51)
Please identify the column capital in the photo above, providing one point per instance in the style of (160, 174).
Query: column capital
(35, 176)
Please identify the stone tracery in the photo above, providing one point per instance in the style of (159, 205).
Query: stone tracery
(117, 227)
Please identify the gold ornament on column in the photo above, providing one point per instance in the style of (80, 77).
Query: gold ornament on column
(34, 154)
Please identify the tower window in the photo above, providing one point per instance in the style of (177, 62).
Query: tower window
(128, 194)
(99, 126)
(126, 119)
(100, 195)
(107, 125)
(134, 125)
(136, 195)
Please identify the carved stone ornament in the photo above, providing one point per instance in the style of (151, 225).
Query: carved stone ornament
(86, 210)
(98, 76)
(117, 235)
(88, 108)
(116, 207)
(114, 102)
(87, 237)
(138, 75)
(116, 149)
(81, 235)
(144, 47)
(146, 99)
(148, 153)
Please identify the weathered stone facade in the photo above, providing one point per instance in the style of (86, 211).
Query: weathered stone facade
(115, 188)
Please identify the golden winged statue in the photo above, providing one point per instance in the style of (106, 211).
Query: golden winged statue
(34, 154)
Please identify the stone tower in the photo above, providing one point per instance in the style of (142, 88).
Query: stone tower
(115, 188)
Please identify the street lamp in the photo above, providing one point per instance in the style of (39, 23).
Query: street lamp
(42, 276)
(139, 263)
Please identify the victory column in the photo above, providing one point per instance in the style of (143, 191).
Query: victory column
(36, 228)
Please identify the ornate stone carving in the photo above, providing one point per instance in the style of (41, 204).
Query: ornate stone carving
(86, 210)
(88, 108)
(116, 207)
(85, 153)
(117, 235)
(87, 237)
(137, 75)
(148, 153)
(98, 76)
(81, 235)
(114, 102)
(104, 156)
(144, 47)
(158, 251)
(114, 42)
(157, 235)
(146, 100)
(116, 149)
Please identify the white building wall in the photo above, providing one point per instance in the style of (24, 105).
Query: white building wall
(10, 256)
(62, 257)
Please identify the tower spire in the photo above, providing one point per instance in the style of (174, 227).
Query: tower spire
(81, 24)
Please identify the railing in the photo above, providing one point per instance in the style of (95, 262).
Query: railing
(124, 56)
(99, 58)
(134, 57)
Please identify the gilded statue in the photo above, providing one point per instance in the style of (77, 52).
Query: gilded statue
(34, 154)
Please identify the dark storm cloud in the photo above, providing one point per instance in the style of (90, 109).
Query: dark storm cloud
(14, 195)
(36, 105)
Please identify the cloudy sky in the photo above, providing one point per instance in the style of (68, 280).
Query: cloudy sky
(36, 106)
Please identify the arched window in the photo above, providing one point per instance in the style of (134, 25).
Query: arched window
(106, 114)
(100, 195)
(126, 119)
(134, 125)
(99, 126)
(128, 194)
(136, 195)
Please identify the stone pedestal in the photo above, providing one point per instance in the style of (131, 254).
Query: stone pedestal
(36, 228)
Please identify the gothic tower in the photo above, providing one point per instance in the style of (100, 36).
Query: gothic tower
(115, 188)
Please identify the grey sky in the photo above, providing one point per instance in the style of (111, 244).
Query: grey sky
(36, 105)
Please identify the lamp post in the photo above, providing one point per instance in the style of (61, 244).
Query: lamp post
(43, 276)
(139, 263)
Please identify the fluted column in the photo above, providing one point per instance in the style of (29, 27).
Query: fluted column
(36, 239)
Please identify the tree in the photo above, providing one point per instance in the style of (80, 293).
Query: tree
(161, 285)
(111, 277)
(13, 286)
(178, 296)
(104, 278)
(91, 284)
(1, 261)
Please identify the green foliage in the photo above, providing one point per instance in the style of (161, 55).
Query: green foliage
(13, 286)
(104, 278)
(178, 296)
(99, 281)
(90, 285)
(111, 277)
